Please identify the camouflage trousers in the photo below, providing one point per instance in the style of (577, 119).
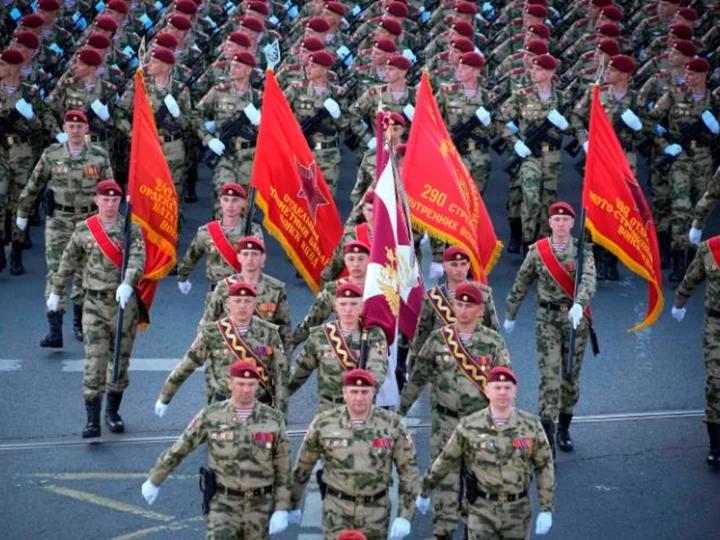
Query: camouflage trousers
(515, 198)
(711, 352)
(236, 166)
(20, 165)
(234, 518)
(495, 520)
(174, 152)
(372, 519)
(99, 324)
(558, 392)
(661, 201)
(329, 162)
(477, 162)
(445, 499)
(58, 230)
(539, 178)
(688, 181)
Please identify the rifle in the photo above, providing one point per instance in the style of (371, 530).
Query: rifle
(573, 148)
(6, 126)
(315, 124)
(98, 128)
(352, 140)
(229, 131)
(464, 130)
(691, 132)
(534, 138)
(162, 112)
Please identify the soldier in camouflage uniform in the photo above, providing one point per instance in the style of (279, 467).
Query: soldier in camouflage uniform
(272, 302)
(249, 454)
(583, 25)
(368, 68)
(241, 336)
(334, 348)
(95, 250)
(706, 267)
(359, 444)
(455, 359)
(219, 71)
(551, 261)
(295, 72)
(706, 204)
(69, 173)
(501, 447)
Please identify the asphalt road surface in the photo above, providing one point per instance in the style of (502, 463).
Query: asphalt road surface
(638, 471)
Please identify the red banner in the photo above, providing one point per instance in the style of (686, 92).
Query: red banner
(618, 215)
(291, 190)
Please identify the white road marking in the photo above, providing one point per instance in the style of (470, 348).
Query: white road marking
(136, 364)
(7, 364)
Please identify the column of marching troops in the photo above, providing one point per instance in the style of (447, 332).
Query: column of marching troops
(502, 72)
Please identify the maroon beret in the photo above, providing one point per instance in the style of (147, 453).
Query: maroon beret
(356, 246)
(609, 30)
(245, 57)
(75, 116)
(462, 44)
(12, 57)
(623, 63)
(358, 377)
(252, 23)
(32, 21)
(118, 6)
(98, 41)
(336, 7)
(501, 374)
(536, 2)
(601, 3)
(608, 46)
(613, 13)
(537, 46)
(250, 242)
(108, 188)
(463, 28)
(239, 38)
(397, 118)
(676, 2)
(106, 23)
(49, 5)
(233, 190)
(397, 9)
(399, 61)
(698, 65)
(537, 11)
(188, 7)
(244, 370)
(469, 292)
(400, 150)
(27, 39)
(545, 61)
(687, 13)
(166, 56)
(90, 57)
(167, 40)
(391, 25)
(312, 44)
(241, 288)
(472, 59)
(539, 29)
(259, 7)
(386, 45)
(181, 22)
(322, 58)
(349, 290)
(455, 253)
(318, 24)
(467, 8)
(561, 208)
(685, 47)
(681, 31)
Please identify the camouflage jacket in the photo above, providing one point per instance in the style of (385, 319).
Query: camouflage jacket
(456, 108)
(169, 125)
(21, 126)
(704, 267)
(580, 117)
(71, 94)
(527, 110)
(306, 103)
(366, 107)
(223, 103)
(707, 202)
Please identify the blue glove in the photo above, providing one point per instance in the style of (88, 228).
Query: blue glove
(400, 528)
(99, 6)
(660, 130)
(673, 150)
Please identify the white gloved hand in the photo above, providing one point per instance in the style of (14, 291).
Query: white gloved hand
(210, 126)
(695, 235)
(332, 107)
(483, 116)
(101, 110)
(436, 270)
(422, 504)
(512, 126)
(172, 106)
(522, 150)
(586, 145)
(278, 522)
(509, 326)
(184, 286)
(409, 111)
(400, 528)
(407, 53)
(61, 137)
(21, 223)
(343, 52)
(631, 120)
(150, 491)
(557, 120)
(123, 294)
(53, 302)
(372, 144)
(673, 150)
(678, 313)
(711, 122)
(24, 108)
(660, 130)
(295, 516)
(252, 114)
(543, 523)
(217, 146)
(160, 408)
(425, 239)
(575, 315)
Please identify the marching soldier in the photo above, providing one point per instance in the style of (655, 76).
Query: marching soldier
(456, 360)
(69, 172)
(500, 446)
(551, 261)
(358, 444)
(295, 72)
(368, 69)
(704, 206)
(248, 461)
(219, 71)
(95, 249)
(240, 336)
(334, 349)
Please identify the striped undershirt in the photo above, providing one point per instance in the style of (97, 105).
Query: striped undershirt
(75, 153)
(397, 96)
(10, 90)
(356, 421)
(469, 93)
(465, 336)
(500, 422)
(559, 247)
(320, 89)
(47, 32)
(89, 86)
(242, 413)
(107, 224)
(345, 333)
(242, 329)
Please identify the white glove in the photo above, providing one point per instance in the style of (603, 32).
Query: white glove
(436, 270)
(543, 523)
(425, 239)
(24, 108)
(509, 326)
(483, 116)
(522, 150)
(53, 302)
(160, 408)
(252, 114)
(332, 107)
(295, 516)
(101, 110)
(217, 146)
(372, 144)
(61, 137)
(293, 12)
(278, 522)
(710, 121)
(694, 236)
(575, 315)
(123, 294)
(409, 111)
(209, 126)
(586, 145)
(660, 130)
(184, 286)
(172, 106)
(557, 120)
(422, 504)
(150, 491)
(631, 120)
(678, 313)
(512, 126)
(400, 528)
(343, 52)
(407, 53)
(673, 150)
(21, 222)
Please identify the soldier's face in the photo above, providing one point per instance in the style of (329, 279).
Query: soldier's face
(358, 399)
(456, 270)
(532, 19)
(367, 211)
(467, 73)
(693, 78)
(156, 67)
(676, 58)
(81, 69)
(612, 75)
(107, 206)
(239, 71)
(356, 264)
(396, 132)
(561, 225)
(467, 312)
(540, 75)
(501, 394)
(241, 307)
(243, 390)
(666, 10)
(348, 309)
(392, 74)
(379, 57)
(232, 206)
(251, 259)
(230, 48)
(47, 16)
(317, 6)
(528, 58)
(75, 131)
(4, 69)
(315, 71)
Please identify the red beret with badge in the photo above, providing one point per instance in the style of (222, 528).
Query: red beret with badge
(608, 46)
(181, 22)
(540, 30)
(252, 23)
(455, 253)
(167, 40)
(33, 21)
(188, 7)
(251, 242)
(466, 8)
(108, 188)
(501, 374)
(106, 23)
(12, 57)
(397, 9)
(391, 25)
(609, 30)
(469, 292)
(75, 116)
(356, 246)
(27, 39)
(318, 24)
(242, 289)
(397, 119)
(232, 189)
(545, 61)
(245, 57)
(687, 13)
(166, 56)
(90, 57)
(601, 3)
(462, 44)
(561, 208)
(622, 63)
(386, 45)
(399, 61)
(244, 370)
(335, 7)
(613, 13)
(259, 7)
(238, 38)
(118, 6)
(463, 28)
(472, 59)
(312, 44)
(49, 6)
(348, 290)
(322, 58)
(537, 11)
(698, 65)
(681, 31)
(98, 41)
(536, 47)
(685, 47)
(358, 377)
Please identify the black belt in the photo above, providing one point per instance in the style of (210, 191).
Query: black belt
(713, 313)
(103, 295)
(553, 307)
(245, 493)
(325, 146)
(476, 145)
(95, 138)
(16, 139)
(357, 499)
(502, 497)
(339, 399)
(73, 209)
(244, 145)
(446, 411)
(171, 138)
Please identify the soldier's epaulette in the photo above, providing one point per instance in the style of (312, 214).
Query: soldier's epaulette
(109, 85)
(441, 69)
(528, 90)
(219, 64)
(662, 56)
(517, 71)
(517, 37)
(587, 55)
(223, 86)
(517, 21)
(453, 87)
(377, 90)
(365, 51)
(363, 67)
(263, 322)
(516, 56)
(375, 19)
(68, 81)
(662, 73)
(588, 70)
(54, 146)
(340, 281)
(604, 87)
(300, 84)
(652, 19)
(589, 37)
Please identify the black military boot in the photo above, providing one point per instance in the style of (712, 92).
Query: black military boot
(16, 263)
(713, 458)
(549, 427)
(525, 248)
(190, 196)
(3, 260)
(515, 235)
(611, 269)
(678, 266)
(112, 418)
(77, 321)
(600, 271)
(564, 441)
(664, 246)
(92, 428)
(54, 338)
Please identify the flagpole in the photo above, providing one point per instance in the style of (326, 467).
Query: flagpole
(121, 310)
(578, 279)
(250, 211)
